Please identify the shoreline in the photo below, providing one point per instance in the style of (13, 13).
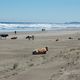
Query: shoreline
(53, 29)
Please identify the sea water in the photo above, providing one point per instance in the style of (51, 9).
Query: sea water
(24, 26)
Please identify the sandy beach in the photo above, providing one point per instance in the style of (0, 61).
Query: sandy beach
(62, 61)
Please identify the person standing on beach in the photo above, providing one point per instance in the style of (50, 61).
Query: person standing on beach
(32, 37)
(15, 32)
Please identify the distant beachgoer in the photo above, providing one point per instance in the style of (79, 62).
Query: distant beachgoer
(15, 32)
(32, 37)
(43, 29)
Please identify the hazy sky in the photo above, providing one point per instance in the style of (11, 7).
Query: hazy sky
(40, 10)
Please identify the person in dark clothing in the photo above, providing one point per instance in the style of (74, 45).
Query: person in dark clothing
(15, 32)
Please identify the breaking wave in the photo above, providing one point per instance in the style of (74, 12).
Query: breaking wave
(34, 26)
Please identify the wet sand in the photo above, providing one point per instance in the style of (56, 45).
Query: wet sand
(62, 61)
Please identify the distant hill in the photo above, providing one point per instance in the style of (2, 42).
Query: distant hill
(38, 23)
(72, 23)
(25, 23)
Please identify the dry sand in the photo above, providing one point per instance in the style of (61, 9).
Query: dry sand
(62, 61)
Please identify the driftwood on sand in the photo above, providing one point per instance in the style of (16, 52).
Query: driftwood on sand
(57, 39)
(30, 37)
(14, 38)
(70, 38)
(3, 36)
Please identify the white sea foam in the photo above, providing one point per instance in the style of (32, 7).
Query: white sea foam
(34, 27)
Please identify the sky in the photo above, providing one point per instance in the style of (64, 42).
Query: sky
(40, 10)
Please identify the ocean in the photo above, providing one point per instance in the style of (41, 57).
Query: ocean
(29, 26)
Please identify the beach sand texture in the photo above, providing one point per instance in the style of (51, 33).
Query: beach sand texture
(62, 61)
